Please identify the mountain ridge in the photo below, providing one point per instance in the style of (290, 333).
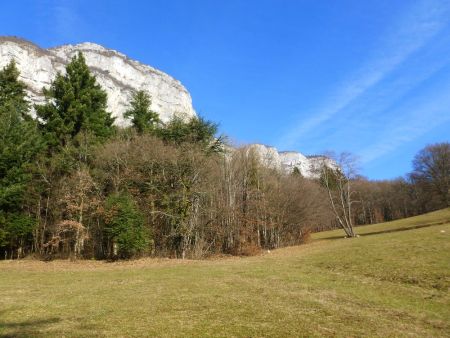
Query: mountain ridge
(120, 75)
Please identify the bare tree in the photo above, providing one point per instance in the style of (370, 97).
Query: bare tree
(336, 176)
(431, 171)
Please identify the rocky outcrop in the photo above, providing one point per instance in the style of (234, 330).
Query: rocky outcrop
(286, 161)
(120, 76)
(294, 159)
(115, 72)
(268, 156)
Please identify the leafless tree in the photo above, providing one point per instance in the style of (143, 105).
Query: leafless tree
(431, 172)
(337, 174)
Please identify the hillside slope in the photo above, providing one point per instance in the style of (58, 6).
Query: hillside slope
(432, 218)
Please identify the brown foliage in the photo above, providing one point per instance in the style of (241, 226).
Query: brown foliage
(195, 204)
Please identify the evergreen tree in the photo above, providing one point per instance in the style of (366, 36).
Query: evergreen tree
(124, 226)
(19, 145)
(196, 131)
(142, 117)
(296, 172)
(75, 104)
(13, 90)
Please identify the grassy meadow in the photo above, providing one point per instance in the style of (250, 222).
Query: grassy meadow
(392, 281)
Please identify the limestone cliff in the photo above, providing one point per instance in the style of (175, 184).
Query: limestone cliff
(120, 76)
(115, 72)
(286, 161)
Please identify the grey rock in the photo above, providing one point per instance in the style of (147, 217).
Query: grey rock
(115, 72)
(286, 161)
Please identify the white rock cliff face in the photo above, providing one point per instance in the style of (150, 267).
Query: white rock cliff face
(116, 73)
(268, 156)
(286, 161)
(120, 76)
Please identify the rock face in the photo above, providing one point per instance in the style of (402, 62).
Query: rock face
(116, 73)
(294, 159)
(120, 76)
(286, 161)
(268, 156)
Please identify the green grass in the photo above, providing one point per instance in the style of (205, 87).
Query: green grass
(386, 284)
(432, 218)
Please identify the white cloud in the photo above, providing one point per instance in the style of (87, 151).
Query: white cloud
(413, 31)
(68, 23)
(413, 121)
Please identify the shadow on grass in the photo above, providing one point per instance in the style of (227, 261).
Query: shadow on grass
(25, 328)
(391, 230)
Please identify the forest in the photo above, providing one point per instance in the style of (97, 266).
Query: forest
(74, 185)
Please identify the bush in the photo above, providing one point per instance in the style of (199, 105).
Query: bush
(124, 227)
(16, 231)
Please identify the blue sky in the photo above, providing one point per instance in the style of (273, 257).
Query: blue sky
(369, 77)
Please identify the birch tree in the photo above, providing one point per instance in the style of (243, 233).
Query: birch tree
(336, 176)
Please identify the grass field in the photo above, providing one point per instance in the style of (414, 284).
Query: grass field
(393, 281)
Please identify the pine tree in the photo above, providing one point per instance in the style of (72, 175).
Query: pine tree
(296, 172)
(75, 104)
(124, 226)
(142, 117)
(19, 145)
(196, 130)
(11, 89)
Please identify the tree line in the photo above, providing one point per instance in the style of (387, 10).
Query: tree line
(425, 188)
(72, 184)
(356, 200)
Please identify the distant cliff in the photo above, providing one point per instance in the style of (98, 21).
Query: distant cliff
(286, 161)
(115, 72)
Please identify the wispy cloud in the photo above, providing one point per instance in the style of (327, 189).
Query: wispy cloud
(414, 121)
(412, 32)
(69, 24)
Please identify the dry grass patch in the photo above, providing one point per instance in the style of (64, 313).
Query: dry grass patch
(390, 284)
